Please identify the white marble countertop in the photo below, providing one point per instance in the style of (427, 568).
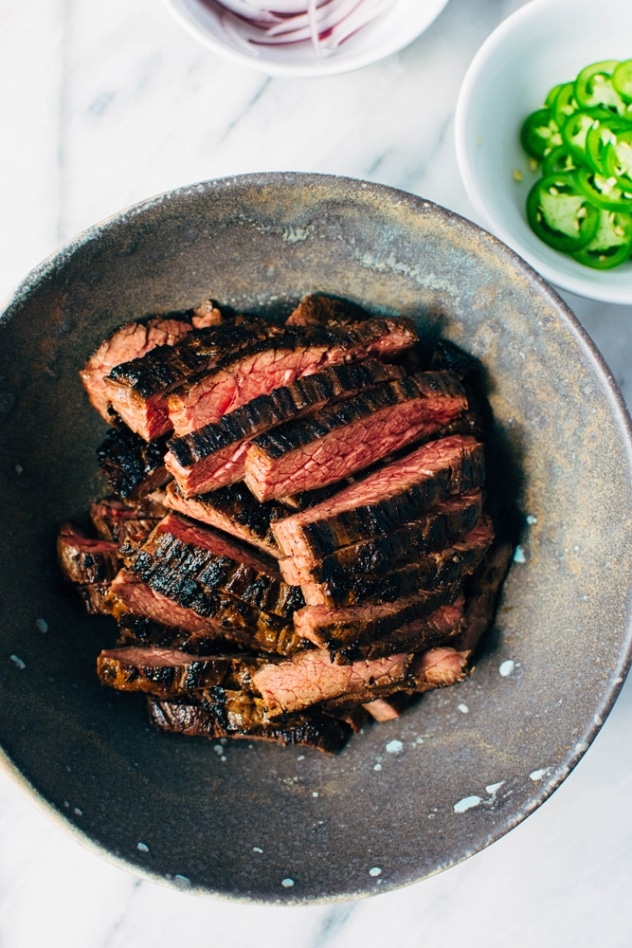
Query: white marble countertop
(104, 104)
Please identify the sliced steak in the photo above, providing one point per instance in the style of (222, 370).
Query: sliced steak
(215, 562)
(165, 672)
(483, 591)
(214, 456)
(445, 625)
(185, 604)
(316, 308)
(223, 713)
(132, 466)
(141, 630)
(232, 509)
(125, 521)
(237, 380)
(341, 439)
(131, 341)
(85, 560)
(431, 571)
(438, 528)
(137, 389)
(395, 494)
(312, 678)
(423, 618)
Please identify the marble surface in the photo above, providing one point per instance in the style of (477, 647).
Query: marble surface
(104, 104)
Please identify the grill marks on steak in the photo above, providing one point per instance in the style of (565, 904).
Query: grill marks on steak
(392, 496)
(232, 509)
(187, 576)
(214, 561)
(223, 713)
(132, 466)
(167, 671)
(131, 341)
(434, 570)
(339, 440)
(138, 389)
(282, 360)
(214, 455)
(435, 530)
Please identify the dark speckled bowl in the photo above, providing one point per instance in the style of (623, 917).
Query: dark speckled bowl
(404, 799)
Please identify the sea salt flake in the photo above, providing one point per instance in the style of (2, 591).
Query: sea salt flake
(463, 708)
(257, 849)
(519, 556)
(394, 747)
(377, 767)
(142, 847)
(375, 871)
(536, 775)
(287, 883)
(18, 661)
(506, 668)
(41, 625)
(493, 788)
(467, 803)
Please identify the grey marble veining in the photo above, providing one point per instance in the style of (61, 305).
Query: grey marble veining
(105, 104)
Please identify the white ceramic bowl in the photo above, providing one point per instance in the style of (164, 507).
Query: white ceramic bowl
(388, 33)
(543, 43)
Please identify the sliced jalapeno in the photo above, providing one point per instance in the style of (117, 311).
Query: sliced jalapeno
(560, 215)
(540, 133)
(612, 243)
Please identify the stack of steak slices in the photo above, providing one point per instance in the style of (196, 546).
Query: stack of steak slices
(298, 538)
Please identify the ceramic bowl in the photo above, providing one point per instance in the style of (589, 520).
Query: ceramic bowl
(404, 799)
(543, 43)
(395, 28)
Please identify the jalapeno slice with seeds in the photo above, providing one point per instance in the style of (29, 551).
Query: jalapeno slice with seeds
(560, 215)
(611, 244)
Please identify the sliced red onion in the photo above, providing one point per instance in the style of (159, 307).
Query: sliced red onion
(324, 23)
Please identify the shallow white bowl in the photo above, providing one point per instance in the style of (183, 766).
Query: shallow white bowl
(388, 33)
(543, 43)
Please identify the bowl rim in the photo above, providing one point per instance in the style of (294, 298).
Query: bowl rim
(608, 696)
(335, 65)
(580, 283)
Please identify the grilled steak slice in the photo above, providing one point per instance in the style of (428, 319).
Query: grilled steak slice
(436, 569)
(316, 308)
(137, 389)
(224, 713)
(330, 444)
(312, 678)
(236, 380)
(214, 456)
(125, 521)
(95, 597)
(395, 494)
(483, 590)
(131, 341)
(85, 560)
(214, 561)
(445, 625)
(232, 509)
(427, 615)
(439, 528)
(165, 672)
(132, 466)
(141, 630)
(185, 604)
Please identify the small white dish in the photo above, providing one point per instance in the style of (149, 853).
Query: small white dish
(393, 29)
(543, 43)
